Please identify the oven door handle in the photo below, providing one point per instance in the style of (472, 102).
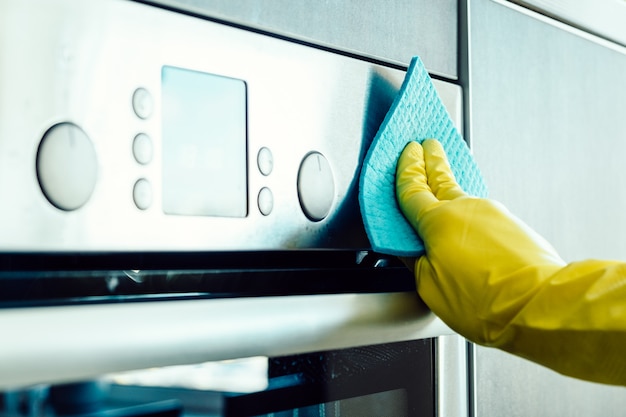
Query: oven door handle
(71, 343)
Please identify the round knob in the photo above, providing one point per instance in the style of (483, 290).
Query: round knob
(142, 103)
(142, 148)
(316, 186)
(265, 161)
(265, 201)
(66, 166)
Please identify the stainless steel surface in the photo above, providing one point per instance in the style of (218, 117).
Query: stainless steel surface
(80, 342)
(389, 31)
(604, 18)
(452, 376)
(547, 127)
(548, 133)
(98, 66)
(509, 386)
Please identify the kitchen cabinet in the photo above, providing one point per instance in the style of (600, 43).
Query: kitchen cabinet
(547, 129)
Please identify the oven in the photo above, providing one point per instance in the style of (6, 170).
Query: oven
(179, 185)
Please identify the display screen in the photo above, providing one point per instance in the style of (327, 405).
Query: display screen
(204, 136)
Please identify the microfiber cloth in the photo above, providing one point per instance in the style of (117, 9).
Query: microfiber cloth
(417, 113)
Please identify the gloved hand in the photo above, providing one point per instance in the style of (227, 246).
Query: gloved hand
(496, 282)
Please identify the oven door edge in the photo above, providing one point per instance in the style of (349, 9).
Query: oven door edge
(68, 343)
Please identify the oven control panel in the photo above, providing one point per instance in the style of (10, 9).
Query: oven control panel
(125, 127)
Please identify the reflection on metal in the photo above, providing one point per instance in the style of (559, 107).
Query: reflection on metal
(604, 18)
(236, 375)
(452, 377)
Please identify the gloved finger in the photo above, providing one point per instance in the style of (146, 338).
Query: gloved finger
(412, 190)
(440, 178)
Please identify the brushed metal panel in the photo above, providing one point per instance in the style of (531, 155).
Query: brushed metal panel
(603, 17)
(506, 385)
(389, 31)
(78, 62)
(548, 132)
(548, 128)
(452, 376)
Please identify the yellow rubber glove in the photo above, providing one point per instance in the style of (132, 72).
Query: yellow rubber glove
(498, 283)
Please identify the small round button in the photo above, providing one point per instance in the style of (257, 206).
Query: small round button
(265, 161)
(142, 194)
(142, 103)
(316, 186)
(142, 148)
(265, 201)
(67, 166)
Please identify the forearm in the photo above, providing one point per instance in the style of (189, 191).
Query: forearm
(576, 324)
(573, 321)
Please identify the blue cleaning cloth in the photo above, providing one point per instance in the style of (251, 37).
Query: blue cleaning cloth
(417, 113)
